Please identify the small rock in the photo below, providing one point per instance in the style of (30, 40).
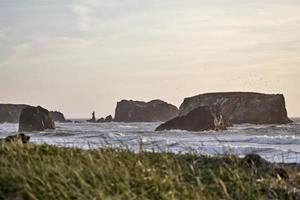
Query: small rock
(19, 137)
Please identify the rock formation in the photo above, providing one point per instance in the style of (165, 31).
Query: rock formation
(10, 113)
(93, 120)
(17, 138)
(109, 118)
(138, 111)
(200, 119)
(101, 120)
(58, 116)
(35, 119)
(242, 107)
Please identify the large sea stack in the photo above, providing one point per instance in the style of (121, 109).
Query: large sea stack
(201, 119)
(242, 107)
(35, 119)
(138, 111)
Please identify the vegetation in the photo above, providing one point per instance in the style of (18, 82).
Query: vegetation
(29, 171)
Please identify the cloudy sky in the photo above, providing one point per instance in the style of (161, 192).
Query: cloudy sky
(79, 56)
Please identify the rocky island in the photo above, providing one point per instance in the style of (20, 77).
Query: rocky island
(58, 117)
(10, 113)
(139, 111)
(35, 119)
(242, 107)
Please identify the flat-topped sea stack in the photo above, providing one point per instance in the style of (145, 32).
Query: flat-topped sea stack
(139, 111)
(35, 119)
(242, 107)
(200, 119)
(10, 113)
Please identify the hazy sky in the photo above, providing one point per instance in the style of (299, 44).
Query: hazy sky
(85, 55)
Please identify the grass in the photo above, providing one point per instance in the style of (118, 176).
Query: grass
(29, 171)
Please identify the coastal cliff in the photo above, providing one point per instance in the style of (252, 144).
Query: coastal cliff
(138, 111)
(242, 107)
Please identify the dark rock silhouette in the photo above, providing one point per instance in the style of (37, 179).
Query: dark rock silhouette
(57, 116)
(35, 119)
(93, 120)
(242, 107)
(10, 113)
(109, 118)
(138, 111)
(200, 119)
(101, 120)
(16, 138)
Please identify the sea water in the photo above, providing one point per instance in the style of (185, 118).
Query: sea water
(276, 143)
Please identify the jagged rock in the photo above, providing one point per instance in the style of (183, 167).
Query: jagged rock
(242, 107)
(57, 116)
(138, 111)
(10, 113)
(200, 119)
(15, 138)
(35, 119)
(93, 120)
(109, 118)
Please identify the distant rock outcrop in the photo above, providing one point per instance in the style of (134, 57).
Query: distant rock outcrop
(101, 120)
(58, 116)
(109, 118)
(242, 107)
(35, 119)
(138, 111)
(93, 120)
(10, 113)
(200, 119)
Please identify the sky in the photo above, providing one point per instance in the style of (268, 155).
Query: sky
(79, 56)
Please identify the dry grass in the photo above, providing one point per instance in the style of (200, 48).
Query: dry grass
(47, 172)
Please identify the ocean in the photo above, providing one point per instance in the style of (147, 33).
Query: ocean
(276, 143)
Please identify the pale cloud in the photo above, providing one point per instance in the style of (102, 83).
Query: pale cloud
(143, 49)
(43, 50)
(83, 13)
(3, 36)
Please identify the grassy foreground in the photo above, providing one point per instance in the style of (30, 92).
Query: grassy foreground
(47, 172)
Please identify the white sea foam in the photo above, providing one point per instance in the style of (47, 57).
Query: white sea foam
(277, 143)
